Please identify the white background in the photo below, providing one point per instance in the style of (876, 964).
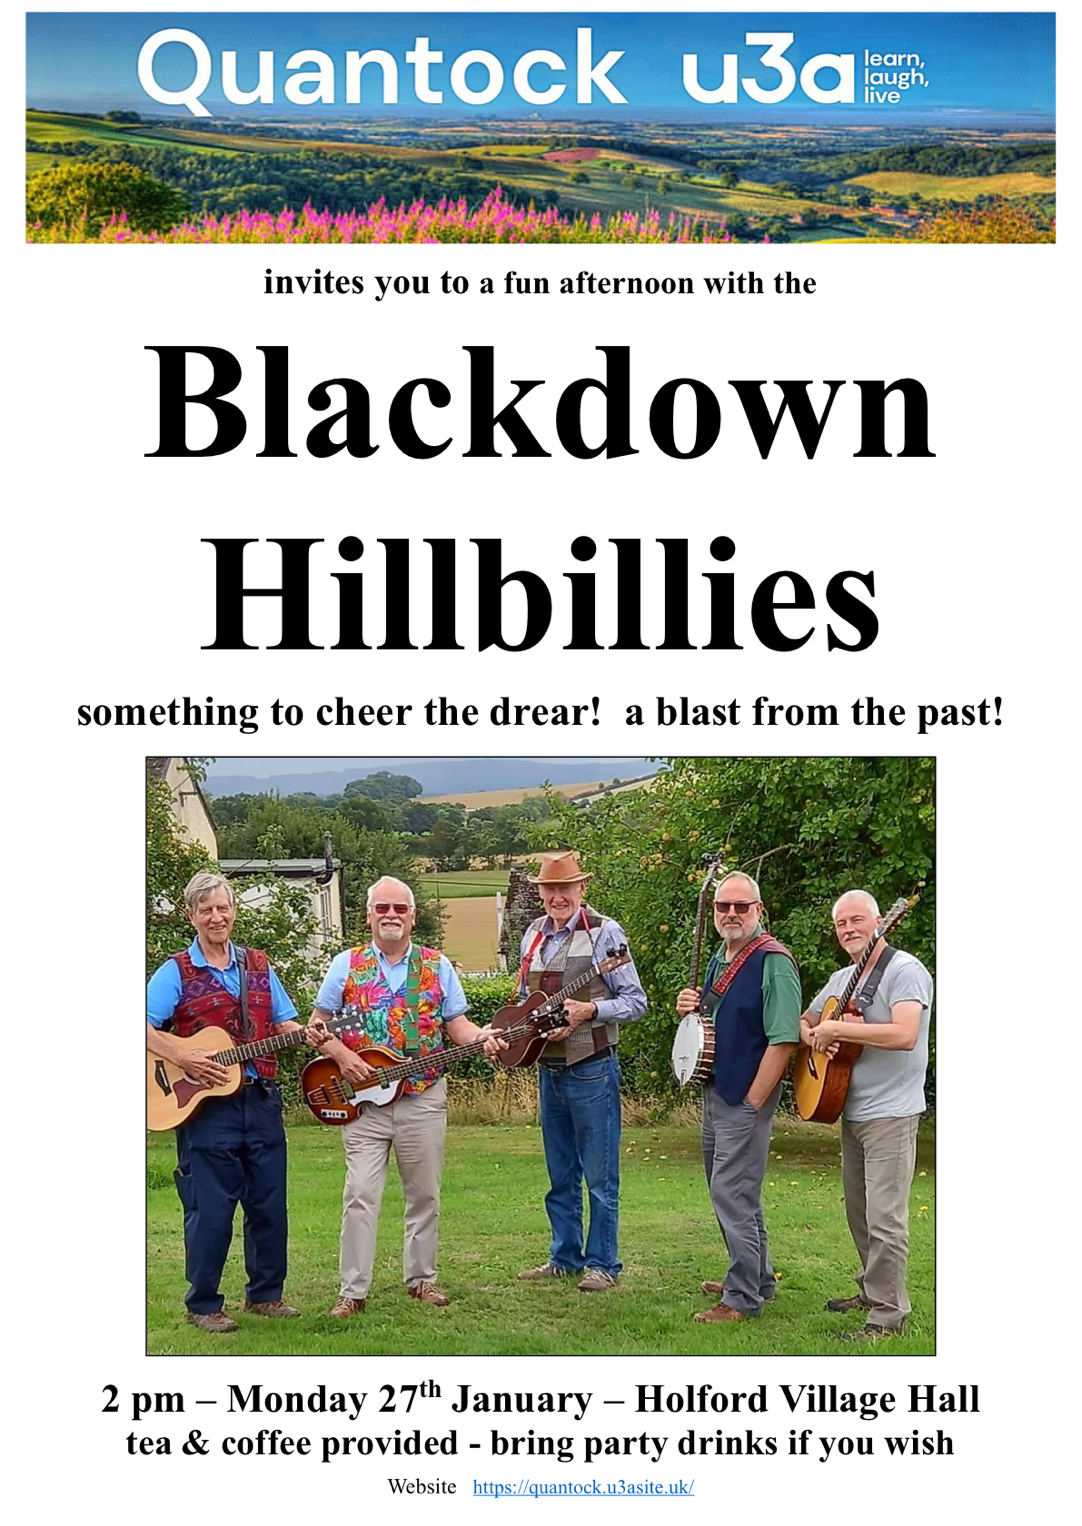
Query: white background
(109, 599)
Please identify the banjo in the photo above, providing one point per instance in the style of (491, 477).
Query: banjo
(693, 1046)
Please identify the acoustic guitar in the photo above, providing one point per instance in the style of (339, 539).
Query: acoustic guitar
(173, 1095)
(821, 1081)
(525, 1050)
(336, 1101)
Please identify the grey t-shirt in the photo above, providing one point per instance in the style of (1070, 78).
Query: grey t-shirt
(887, 1083)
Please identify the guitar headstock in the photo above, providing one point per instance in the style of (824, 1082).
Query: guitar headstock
(897, 913)
(619, 957)
(549, 1022)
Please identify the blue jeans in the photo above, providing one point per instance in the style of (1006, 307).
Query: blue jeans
(580, 1125)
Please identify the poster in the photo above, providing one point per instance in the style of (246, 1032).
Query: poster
(647, 399)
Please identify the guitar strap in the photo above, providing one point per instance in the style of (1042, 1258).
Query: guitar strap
(413, 1000)
(864, 994)
(246, 1027)
(731, 971)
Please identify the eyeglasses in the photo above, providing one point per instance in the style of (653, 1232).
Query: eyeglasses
(381, 908)
(740, 907)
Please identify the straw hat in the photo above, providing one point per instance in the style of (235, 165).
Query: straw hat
(558, 869)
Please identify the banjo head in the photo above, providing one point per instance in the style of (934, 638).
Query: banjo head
(692, 1050)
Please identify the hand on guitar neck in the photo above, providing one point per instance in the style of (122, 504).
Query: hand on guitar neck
(826, 1036)
(576, 1013)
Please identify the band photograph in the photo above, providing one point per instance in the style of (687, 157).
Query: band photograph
(540, 1056)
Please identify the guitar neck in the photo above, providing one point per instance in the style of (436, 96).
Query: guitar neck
(555, 1002)
(440, 1059)
(255, 1051)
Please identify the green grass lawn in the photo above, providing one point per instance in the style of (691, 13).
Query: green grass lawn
(494, 1224)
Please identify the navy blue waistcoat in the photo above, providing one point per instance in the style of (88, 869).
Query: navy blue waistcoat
(738, 1025)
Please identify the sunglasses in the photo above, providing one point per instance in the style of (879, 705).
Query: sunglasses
(381, 908)
(740, 907)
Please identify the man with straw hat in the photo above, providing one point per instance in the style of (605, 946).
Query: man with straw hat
(579, 1073)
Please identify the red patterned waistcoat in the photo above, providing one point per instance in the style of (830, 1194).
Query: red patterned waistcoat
(378, 1012)
(205, 1003)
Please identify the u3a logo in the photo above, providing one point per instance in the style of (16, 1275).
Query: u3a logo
(775, 45)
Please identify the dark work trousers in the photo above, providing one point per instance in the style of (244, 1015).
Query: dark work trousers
(233, 1151)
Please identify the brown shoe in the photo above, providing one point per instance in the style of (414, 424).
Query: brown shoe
(545, 1273)
(346, 1307)
(594, 1280)
(719, 1314)
(218, 1323)
(872, 1333)
(713, 1289)
(428, 1292)
(846, 1305)
(275, 1309)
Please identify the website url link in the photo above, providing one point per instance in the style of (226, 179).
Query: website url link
(528, 1488)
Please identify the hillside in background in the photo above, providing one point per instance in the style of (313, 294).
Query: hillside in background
(797, 183)
(446, 777)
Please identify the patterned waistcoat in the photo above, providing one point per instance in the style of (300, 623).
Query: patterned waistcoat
(205, 1003)
(581, 954)
(380, 1013)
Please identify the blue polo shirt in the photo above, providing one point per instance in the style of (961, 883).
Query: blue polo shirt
(164, 988)
(334, 982)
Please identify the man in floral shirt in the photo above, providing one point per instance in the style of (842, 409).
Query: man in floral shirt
(407, 998)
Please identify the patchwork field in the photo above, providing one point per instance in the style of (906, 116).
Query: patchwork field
(797, 184)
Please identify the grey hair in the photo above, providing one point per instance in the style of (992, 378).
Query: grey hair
(388, 879)
(204, 884)
(738, 874)
(856, 895)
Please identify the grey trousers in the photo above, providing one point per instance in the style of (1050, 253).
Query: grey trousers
(736, 1148)
(416, 1127)
(878, 1159)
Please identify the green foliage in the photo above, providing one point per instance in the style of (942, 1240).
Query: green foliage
(384, 785)
(806, 828)
(227, 182)
(100, 191)
(297, 826)
(282, 923)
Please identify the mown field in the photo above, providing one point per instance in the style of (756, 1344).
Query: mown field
(469, 931)
(479, 800)
(891, 184)
(493, 1224)
(456, 884)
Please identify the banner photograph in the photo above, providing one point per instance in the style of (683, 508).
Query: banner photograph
(656, 1031)
(565, 128)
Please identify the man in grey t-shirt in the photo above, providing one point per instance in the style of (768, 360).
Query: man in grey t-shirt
(882, 1109)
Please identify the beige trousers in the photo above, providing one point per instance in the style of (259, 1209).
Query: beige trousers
(878, 1159)
(417, 1128)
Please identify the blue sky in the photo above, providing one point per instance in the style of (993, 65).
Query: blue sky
(984, 65)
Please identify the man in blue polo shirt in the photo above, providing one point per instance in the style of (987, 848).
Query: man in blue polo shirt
(233, 1149)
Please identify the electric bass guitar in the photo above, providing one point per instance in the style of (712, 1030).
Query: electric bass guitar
(821, 1081)
(336, 1101)
(525, 1050)
(173, 1094)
